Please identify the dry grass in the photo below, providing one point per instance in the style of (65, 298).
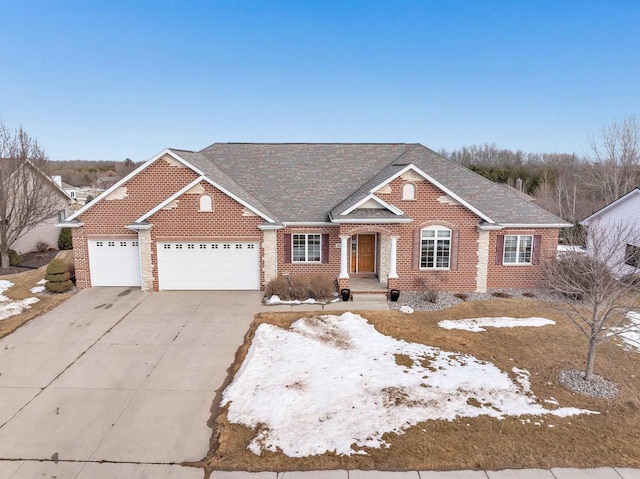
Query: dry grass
(611, 438)
(23, 282)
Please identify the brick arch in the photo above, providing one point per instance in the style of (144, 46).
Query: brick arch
(448, 224)
(366, 229)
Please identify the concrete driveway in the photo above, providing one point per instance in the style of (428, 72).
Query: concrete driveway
(118, 375)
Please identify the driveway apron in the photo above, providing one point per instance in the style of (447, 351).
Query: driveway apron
(118, 375)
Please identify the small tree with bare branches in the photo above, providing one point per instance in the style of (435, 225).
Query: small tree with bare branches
(598, 289)
(615, 157)
(27, 195)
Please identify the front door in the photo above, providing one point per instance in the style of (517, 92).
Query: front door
(363, 259)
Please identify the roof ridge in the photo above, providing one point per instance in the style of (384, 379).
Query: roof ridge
(306, 143)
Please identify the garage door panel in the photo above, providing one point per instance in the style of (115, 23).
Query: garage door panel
(114, 262)
(208, 266)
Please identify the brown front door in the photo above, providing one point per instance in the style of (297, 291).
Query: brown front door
(366, 253)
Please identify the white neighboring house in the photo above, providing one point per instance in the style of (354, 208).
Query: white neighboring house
(622, 213)
(78, 193)
(47, 230)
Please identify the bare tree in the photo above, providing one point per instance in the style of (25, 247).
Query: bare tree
(616, 160)
(27, 195)
(598, 289)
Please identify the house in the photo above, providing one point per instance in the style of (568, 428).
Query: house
(46, 230)
(106, 179)
(80, 194)
(236, 215)
(619, 221)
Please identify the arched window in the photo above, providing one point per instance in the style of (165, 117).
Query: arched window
(435, 247)
(409, 191)
(206, 203)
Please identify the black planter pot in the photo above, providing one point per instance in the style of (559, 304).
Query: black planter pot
(394, 294)
(345, 294)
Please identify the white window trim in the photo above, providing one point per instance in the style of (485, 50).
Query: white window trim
(436, 228)
(306, 248)
(517, 262)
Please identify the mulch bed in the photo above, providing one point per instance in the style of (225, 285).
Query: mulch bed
(30, 261)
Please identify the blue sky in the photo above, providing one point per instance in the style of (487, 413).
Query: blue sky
(109, 80)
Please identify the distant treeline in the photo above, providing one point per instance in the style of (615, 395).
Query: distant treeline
(86, 172)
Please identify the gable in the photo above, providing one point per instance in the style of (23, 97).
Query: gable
(626, 207)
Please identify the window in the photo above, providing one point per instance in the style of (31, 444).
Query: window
(111, 243)
(306, 248)
(409, 191)
(238, 246)
(191, 246)
(632, 256)
(134, 243)
(72, 194)
(98, 243)
(206, 203)
(62, 215)
(517, 249)
(203, 246)
(435, 247)
(123, 243)
(167, 246)
(178, 246)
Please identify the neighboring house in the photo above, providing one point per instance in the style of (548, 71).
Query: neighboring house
(234, 216)
(47, 230)
(622, 214)
(80, 194)
(107, 179)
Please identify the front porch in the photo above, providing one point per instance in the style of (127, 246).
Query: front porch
(368, 260)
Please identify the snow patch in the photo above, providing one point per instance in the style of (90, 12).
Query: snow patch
(334, 384)
(406, 309)
(37, 289)
(11, 308)
(275, 299)
(630, 334)
(477, 325)
(4, 285)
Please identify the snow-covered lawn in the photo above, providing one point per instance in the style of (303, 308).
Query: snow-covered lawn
(631, 333)
(478, 324)
(9, 307)
(334, 383)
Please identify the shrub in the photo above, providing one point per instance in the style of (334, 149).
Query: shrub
(300, 288)
(57, 277)
(461, 296)
(278, 286)
(526, 294)
(322, 286)
(65, 240)
(42, 246)
(72, 272)
(500, 294)
(430, 295)
(14, 258)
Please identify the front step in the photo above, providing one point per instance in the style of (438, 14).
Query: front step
(360, 296)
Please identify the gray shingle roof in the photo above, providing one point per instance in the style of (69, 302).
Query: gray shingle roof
(305, 182)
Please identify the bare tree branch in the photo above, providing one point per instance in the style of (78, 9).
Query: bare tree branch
(27, 195)
(597, 290)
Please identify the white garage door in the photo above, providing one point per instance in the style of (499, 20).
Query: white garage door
(114, 262)
(208, 266)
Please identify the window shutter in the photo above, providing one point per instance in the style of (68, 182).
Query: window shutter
(287, 248)
(325, 248)
(537, 242)
(453, 263)
(416, 250)
(499, 248)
